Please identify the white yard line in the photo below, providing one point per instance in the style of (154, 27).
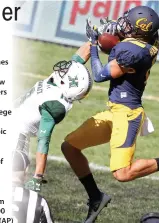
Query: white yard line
(94, 166)
(39, 76)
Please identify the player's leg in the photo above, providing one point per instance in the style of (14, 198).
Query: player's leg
(138, 168)
(126, 125)
(95, 131)
(76, 159)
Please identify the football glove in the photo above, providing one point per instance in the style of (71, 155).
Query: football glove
(91, 32)
(35, 184)
(107, 26)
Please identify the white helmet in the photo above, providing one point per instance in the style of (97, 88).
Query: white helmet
(73, 78)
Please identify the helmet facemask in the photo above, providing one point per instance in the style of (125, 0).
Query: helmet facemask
(124, 26)
(73, 79)
(60, 75)
(62, 68)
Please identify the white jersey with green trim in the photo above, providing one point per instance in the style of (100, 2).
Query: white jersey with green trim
(27, 112)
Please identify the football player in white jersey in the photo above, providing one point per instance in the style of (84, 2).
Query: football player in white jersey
(45, 105)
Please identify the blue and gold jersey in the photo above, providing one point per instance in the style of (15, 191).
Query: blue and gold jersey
(139, 57)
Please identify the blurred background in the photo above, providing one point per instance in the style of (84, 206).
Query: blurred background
(45, 33)
(64, 21)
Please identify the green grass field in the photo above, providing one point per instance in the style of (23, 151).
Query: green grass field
(63, 191)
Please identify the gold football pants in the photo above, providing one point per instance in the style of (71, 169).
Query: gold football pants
(119, 125)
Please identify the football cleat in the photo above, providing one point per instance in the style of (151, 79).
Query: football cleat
(96, 207)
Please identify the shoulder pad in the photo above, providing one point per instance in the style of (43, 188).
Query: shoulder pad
(130, 52)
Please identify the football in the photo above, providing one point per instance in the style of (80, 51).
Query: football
(107, 41)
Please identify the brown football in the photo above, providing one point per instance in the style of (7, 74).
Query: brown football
(107, 41)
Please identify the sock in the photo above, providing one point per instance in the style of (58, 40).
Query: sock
(91, 187)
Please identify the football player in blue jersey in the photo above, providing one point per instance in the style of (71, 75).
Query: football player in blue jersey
(128, 68)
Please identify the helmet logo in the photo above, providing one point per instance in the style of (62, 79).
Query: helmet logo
(143, 25)
(73, 81)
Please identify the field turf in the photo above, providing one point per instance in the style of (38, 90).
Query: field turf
(63, 191)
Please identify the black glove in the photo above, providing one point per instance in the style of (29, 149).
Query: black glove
(91, 32)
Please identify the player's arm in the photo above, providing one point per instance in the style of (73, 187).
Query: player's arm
(107, 72)
(101, 73)
(114, 69)
(82, 55)
(46, 127)
(52, 112)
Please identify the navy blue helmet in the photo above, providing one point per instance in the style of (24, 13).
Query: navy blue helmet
(140, 21)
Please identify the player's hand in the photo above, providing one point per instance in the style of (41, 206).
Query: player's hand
(34, 184)
(107, 26)
(91, 32)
